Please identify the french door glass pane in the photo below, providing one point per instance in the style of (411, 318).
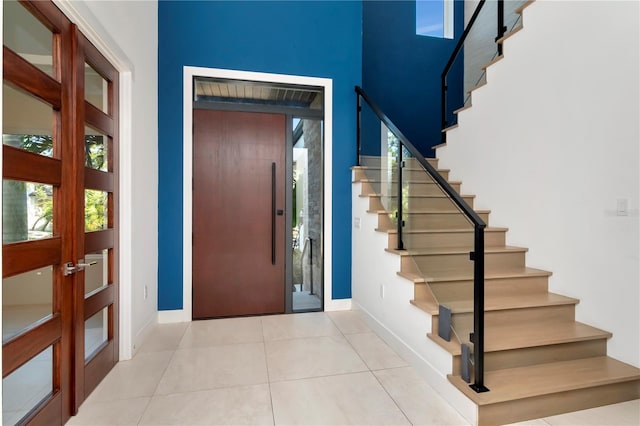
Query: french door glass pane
(95, 332)
(26, 298)
(95, 149)
(27, 122)
(96, 89)
(27, 387)
(96, 276)
(27, 36)
(27, 211)
(95, 210)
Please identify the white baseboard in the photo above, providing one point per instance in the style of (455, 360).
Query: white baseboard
(176, 315)
(180, 315)
(337, 305)
(434, 378)
(141, 336)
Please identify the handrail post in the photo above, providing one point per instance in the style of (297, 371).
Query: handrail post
(501, 28)
(478, 309)
(311, 265)
(400, 243)
(358, 118)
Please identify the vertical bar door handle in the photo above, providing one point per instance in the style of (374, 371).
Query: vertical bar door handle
(273, 213)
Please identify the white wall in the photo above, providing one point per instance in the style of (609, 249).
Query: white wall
(133, 27)
(549, 146)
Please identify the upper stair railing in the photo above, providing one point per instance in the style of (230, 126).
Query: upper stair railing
(479, 45)
(401, 177)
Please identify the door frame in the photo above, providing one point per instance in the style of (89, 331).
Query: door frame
(290, 114)
(189, 73)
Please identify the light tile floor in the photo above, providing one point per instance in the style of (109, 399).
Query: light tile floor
(301, 369)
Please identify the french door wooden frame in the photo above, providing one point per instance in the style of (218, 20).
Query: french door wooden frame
(73, 376)
(90, 372)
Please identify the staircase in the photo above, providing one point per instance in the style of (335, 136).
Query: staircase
(539, 361)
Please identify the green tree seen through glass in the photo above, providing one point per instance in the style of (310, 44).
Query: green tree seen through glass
(16, 194)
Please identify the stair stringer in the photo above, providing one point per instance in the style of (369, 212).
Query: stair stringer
(383, 297)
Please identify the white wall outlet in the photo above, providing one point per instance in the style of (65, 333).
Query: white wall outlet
(146, 292)
(622, 207)
(356, 222)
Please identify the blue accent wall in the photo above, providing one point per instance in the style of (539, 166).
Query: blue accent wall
(309, 38)
(401, 70)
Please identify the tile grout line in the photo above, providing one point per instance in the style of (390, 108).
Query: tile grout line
(351, 344)
(392, 398)
(372, 372)
(144, 411)
(149, 397)
(164, 371)
(266, 361)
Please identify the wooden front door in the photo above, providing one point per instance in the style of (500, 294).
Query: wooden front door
(59, 264)
(238, 213)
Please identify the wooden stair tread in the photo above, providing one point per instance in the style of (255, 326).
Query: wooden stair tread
(440, 145)
(438, 196)
(447, 231)
(435, 211)
(459, 110)
(443, 211)
(430, 308)
(411, 277)
(511, 336)
(446, 129)
(456, 250)
(523, 6)
(526, 272)
(491, 62)
(501, 302)
(367, 180)
(477, 86)
(452, 346)
(551, 378)
(389, 168)
(513, 31)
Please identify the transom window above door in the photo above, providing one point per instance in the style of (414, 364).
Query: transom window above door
(258, 93)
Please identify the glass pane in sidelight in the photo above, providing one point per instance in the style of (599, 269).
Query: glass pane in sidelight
(96, 276)
(27, 36)
(95, 149)
(307, 219)
(27, 211)
(95, 210)
(26, 298)
(27, 387)
(96, 89)
(27, 122)
(96, 331)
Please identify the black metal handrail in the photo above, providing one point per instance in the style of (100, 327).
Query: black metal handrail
(477, 256)
(501, 29)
